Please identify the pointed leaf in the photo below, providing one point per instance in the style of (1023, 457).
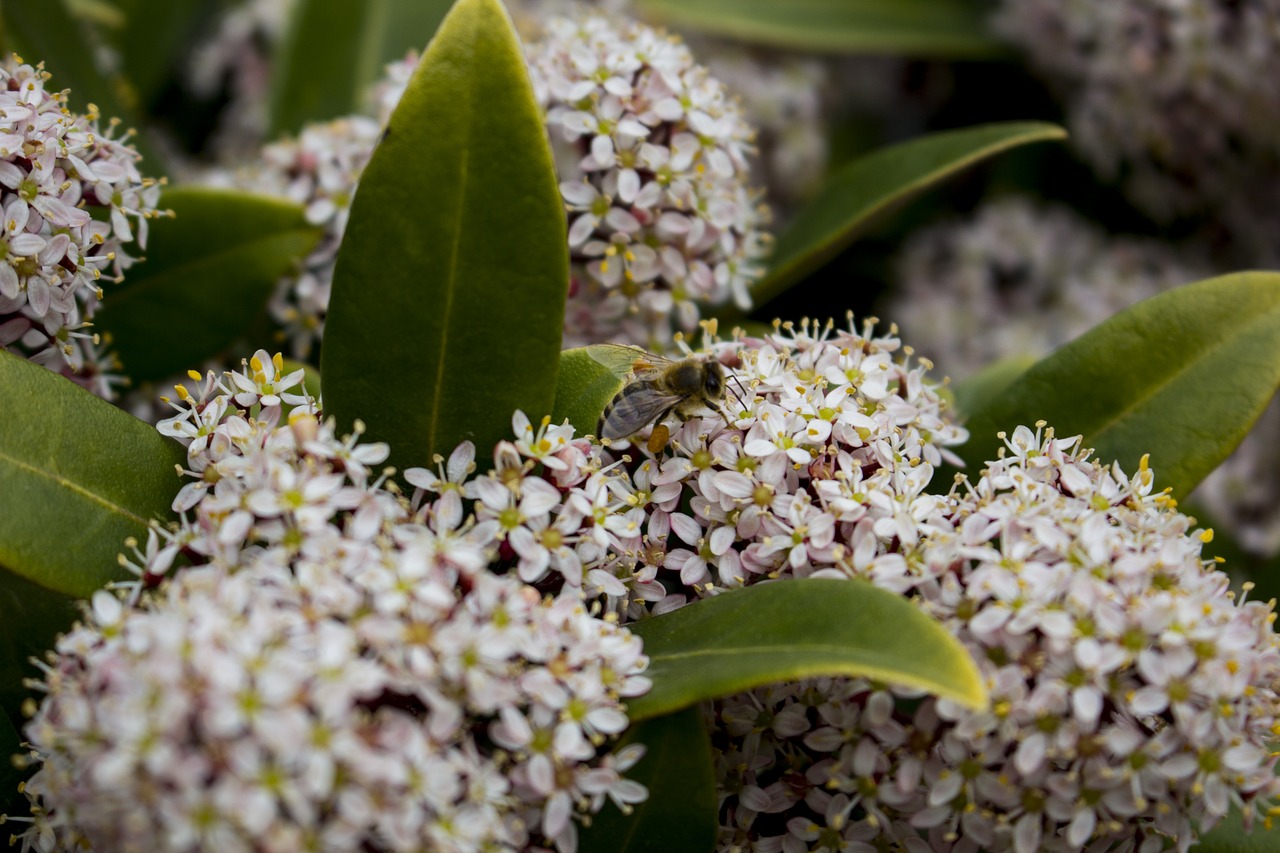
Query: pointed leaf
(678, 770)
(584, 386)
(448, 297)
(871, 185)
(932, 28)
(46, 31)
(1181, 376)
(335, 50)
(1229, 836)
(799, 629)
(208, 271)
(77, 477)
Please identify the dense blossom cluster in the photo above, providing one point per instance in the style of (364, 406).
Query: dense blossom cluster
(1133, 697)
(56, 169)
(1022, 279)
(1177, 97)
(339, 669)
(652, 153)
(320, 170)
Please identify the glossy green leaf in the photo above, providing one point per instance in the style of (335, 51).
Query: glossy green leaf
(799, 629)
(678, 770)
(208, 272)
(584, 387)
(46, 31)
(1229, 836)
(1181, 376)
(448, 297)
(932, 28)
(78, 476)
(868, 186)
(335, 50)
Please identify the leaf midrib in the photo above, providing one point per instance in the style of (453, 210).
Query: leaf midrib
(73, 487)
(451, 276)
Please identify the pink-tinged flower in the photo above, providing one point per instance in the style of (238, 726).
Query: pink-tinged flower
(653, 154)
(55, 166)
(340, 665)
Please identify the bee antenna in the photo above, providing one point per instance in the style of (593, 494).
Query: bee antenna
(738, 382)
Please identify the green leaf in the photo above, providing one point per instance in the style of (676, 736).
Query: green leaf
(335, 50)
(448, 297)
(47, 32)
(152, 42)
(1229, 836)
(931, 28)
(872, 184)
(208, 272)
(77, 477)
(584, 387)
(987, 385)
(678, 770)
(799, 629)
(1181, 376)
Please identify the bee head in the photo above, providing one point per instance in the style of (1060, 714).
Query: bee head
(713, 381)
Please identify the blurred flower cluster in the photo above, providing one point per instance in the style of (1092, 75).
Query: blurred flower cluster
(57, 169)
(337, 667)
(1176, 100)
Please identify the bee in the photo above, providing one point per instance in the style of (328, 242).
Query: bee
(657, 387)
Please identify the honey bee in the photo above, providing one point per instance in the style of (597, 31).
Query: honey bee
(657, 387)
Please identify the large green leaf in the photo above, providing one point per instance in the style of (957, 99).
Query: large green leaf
(584, 387)
(799, 629)
(1181, 376)
(77, 476)
(934, 28)
(872, 184)
(1229, 836)
(448, 298)
(336, 49)
(46, 31)
(209, 271)
(680, 814)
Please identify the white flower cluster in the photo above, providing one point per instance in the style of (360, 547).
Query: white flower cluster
(1022, 279)
(1180, 98)
(340, 669)
(652, 151)
(56, 168)
(1133, 697)
(782, 97)
(319, 169)
(819, 470)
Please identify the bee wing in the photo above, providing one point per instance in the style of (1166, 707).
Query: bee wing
(622, 360)
(637, 406)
